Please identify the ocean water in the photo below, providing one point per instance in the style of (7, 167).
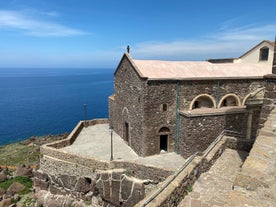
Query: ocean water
(37, 102)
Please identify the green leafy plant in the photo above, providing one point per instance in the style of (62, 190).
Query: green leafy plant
(128, 173)
(190, 188)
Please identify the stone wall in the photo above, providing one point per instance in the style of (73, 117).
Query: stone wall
(60, 172)
(165, 92)
(144, 172)
(157, 94)
(118, 189)
(198, 131)
(127, 104)
(189, 89)
(112, 186)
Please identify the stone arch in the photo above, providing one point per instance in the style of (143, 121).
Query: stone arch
(163, 130)
(203, 101)
(164, 139)
(229, 100)
(245, 99)
(259, 91)
(126, 126)
(125, 111)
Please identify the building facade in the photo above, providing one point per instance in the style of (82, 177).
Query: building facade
(183, 106)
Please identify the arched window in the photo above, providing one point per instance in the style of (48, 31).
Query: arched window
(229, 100)
(264, 51)
(202, 101)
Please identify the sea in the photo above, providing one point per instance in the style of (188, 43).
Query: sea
(38, 102)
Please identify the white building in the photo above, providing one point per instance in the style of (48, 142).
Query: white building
(261, 53)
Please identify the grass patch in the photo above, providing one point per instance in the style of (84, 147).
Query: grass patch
(27, 182)
(18, 154)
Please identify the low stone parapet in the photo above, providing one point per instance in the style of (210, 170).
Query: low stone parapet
(74, 134)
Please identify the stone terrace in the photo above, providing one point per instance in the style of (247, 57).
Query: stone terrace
(94, 141)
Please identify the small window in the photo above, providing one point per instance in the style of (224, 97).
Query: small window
(264, 51)
(164, 107)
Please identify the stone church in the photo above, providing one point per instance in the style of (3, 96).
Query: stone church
(164, 106)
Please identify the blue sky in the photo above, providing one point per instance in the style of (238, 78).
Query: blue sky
(95, 33)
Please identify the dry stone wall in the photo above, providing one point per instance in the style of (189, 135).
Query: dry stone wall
(111, 187)
(117, 188)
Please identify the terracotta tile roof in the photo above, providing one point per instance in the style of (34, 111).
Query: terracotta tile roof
(156, 69)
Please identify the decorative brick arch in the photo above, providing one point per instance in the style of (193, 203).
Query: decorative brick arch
(203, 96)
(227, 96)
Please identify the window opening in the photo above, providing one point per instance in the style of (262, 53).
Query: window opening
(165, 107)
(203, 102)
(229, 101)
(264, 54)
(126, 132)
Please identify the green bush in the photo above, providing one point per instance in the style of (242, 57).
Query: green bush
(27, 182)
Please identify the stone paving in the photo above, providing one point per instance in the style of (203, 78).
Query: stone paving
(213, 187)
(95, 141)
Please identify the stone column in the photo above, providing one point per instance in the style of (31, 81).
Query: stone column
(249, 124)
(251, 105)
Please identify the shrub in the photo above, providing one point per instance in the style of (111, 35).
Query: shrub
(27, 182)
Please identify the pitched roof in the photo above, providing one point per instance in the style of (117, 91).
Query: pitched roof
(177, 70)
(264, 41)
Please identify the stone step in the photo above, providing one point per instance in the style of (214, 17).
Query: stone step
(213, 187)
(268, 132)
